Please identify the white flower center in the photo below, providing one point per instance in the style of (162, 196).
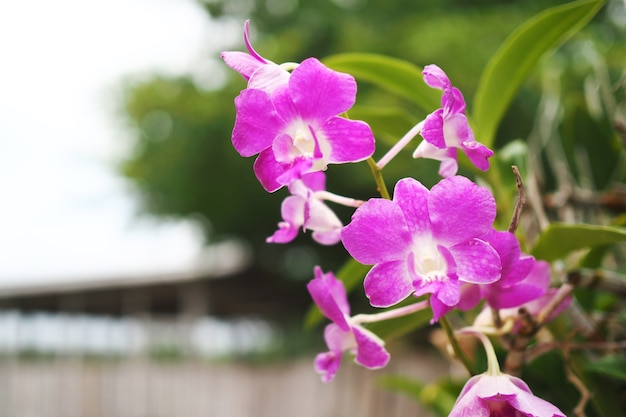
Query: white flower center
(304, 145)
(429, 264)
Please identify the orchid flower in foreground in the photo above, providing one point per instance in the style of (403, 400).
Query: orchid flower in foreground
(297, 130)
(304, 209)
(343, 334)
(496, 394)
(261, 73)
(447, 128)
(425, 242)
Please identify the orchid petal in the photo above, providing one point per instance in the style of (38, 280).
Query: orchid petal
(448, 157)
(370, 351)
(476, 262)
(377, 233)
(327, 364)
(320, 92)
(268, 77)
(267, 170)
(412, 197)
(477, 153)
(460, 210)
(435, 77)
(330, 296)
(257, 123)
(432, 131)
(350, 140)
(387, 284)
(243, 63)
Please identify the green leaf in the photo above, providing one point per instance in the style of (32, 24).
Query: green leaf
(516, 57)
(391, 74)
(559, 239)
(439, 397)
(351, 273)
(388, 123)
(612, 366)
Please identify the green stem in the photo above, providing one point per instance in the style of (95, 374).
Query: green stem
(445, 324)
(378, 177)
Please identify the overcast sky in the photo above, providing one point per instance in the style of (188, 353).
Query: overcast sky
(64, 214)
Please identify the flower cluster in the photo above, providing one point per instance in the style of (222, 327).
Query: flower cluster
(437, 245)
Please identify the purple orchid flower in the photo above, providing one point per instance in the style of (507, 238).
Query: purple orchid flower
(296, 129)
(425, 242)
(447, 128)
(342, 334)
(304, 210)
(532, 308)
(261, 73)
(502, 395)
(523, 278)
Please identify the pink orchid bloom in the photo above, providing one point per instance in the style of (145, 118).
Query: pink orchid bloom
(500, 395)
(447, 128)
(297, 130)
(523, 278)
(304, 210)
(342, 334)
(425, 242)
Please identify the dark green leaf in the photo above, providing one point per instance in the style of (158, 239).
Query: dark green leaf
(612, 366)
(388, 123)
(516, 57)
(558, 240)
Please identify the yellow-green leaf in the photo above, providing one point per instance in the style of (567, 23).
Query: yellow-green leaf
(516, 57)
(558, 240)
(394, 75)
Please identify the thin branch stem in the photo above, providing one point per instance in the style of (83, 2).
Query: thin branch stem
(401, 144)
(391, 314)
(339, 199)
(378, 177)
(456, 348)
(521, 200)
(563, 292)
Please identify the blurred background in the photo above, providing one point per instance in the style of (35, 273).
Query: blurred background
(135, 279)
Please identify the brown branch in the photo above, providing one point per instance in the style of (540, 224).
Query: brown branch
(521, 200)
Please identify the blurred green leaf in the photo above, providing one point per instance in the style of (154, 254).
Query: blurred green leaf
(513, 61)
(351, 273)
(438, 397)
(612, 366)
(558, 240)
(388, 123)
(391, 74)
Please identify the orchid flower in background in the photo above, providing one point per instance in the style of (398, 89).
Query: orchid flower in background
(297, 130)
(305, 209)
(261, 73)
(343, 334)
(533, 308)
(523, 278)
(496, 394)
(425, 242)
(447, 128)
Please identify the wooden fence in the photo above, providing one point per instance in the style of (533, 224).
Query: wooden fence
(145, 388)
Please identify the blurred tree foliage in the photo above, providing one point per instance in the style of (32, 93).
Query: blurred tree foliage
(183, 165)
